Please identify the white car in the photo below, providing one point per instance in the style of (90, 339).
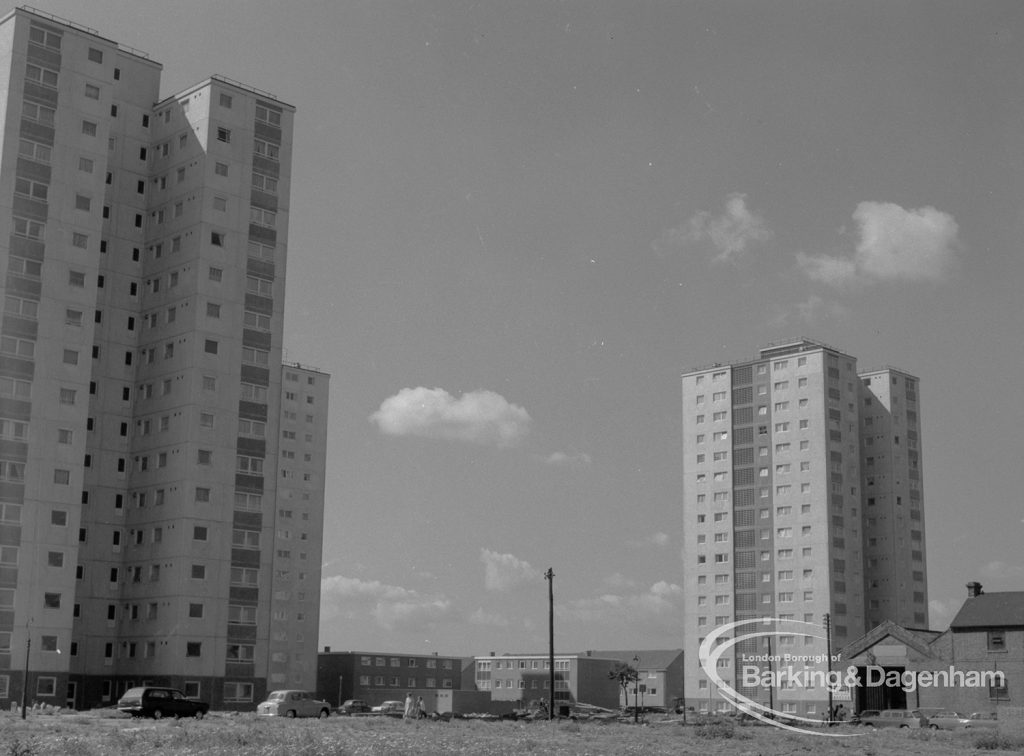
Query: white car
(394, 708)
(293, 703)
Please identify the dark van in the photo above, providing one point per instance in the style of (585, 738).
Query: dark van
(159, 703)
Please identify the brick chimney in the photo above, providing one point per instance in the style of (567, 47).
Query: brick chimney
(974, 589)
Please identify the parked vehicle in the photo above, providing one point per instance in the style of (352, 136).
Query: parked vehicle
(393, 708)
(901, 718)
(159, 703)
(944, 719)
(858, 717)
(293, 703)
(354, 706)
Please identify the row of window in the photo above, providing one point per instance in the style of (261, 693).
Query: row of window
(379, 681)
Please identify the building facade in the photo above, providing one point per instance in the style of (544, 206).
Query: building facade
(144, 476)
(377, 677)
(522, 678)
(802, 500)
(659, 676)
(973, 667)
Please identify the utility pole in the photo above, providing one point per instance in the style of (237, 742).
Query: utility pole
(24, 682)
(550, 577)
(827, 624)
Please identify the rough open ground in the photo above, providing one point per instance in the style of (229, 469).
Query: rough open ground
(100, 734)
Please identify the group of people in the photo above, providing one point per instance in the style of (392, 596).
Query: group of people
(414, 709)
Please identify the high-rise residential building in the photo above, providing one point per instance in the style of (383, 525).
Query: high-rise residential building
(161, 471)
(802, 498)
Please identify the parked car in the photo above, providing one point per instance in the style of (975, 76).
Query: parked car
(394, 708)
(983, 720)
(945, 719)
(293, 703)
(354, 706)
(860, 716)
(160, 702)
(902, 718)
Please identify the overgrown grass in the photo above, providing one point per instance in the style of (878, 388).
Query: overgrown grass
(245, 735)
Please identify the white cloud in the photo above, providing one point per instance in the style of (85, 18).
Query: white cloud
(655, 604)
(391, 606)
(895, 245)
(568, 459)
(481, 417)
(733, 230)
(659, 539)
(834, 271)
(505, 571)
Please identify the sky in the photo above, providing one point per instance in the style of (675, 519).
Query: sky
(514, 225)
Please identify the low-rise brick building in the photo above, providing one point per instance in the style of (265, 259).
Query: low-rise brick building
(975, 666)
(377, 677)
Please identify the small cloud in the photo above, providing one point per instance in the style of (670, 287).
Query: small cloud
(731, 232)
(658, 603)
(487, 619)
(659, 539)
(895, 245)
(391, 606)
(570, 459)
(834, 271)
(505, 571)
(481, 417)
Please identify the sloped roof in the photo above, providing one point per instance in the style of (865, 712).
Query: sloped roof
(649, 658)
(1002, 609)
(911, 638)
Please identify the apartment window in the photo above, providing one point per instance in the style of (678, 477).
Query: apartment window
(34, 189)
(199, 533)
(36, 151)
(256, 320)
(67, 396)
(255, 356)
(41, 75)
(264, 183)
(194, 649)
(262, 217)
(251, 465)
(202, 495)
(266, 149)
(30, 229)
(996, 640)
(216, 274)
(89, 128)
(216, 238)
(220, 204)
(39, 114)
(210, 346)
(204, 457)
(195, 611)
(198, 572)
(92, 91)
(245, 539)
(259, 286)
(221, 169)
(266, 115)
(223, 134)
